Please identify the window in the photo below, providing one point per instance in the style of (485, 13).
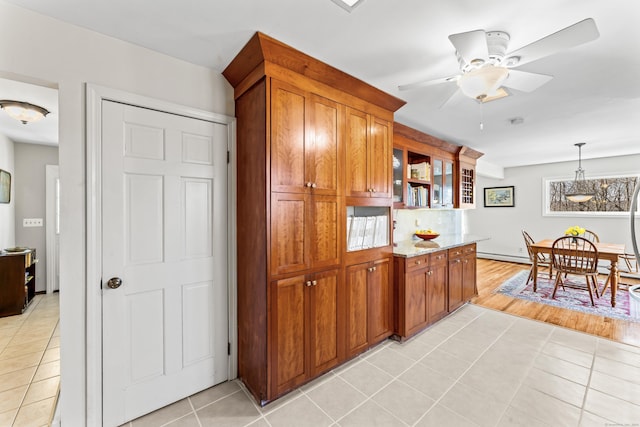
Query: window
(612, 196)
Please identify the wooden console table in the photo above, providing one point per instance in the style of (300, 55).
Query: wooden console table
(17, 281)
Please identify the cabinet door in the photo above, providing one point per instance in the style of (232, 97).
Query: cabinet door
(469, 277)
(380, 158)
(437, 289)
(415, 302)
(289, 233)
(455, 283)
(325, 228)
(380, 299)
(288, 139)
(324, 147)
(324, 321)
(356, 306)
(356, 145)
(288, 327)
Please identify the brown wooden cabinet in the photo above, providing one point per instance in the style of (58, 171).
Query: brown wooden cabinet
(421, 287)
(451, 180)
(368, 154)
(462, 275)
(305, 150)
(305, 232)
(369, 304)
(305, 326)
(17, 281)
(429, 287)
(292, 129)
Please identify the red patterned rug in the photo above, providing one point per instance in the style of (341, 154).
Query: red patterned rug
(574, 299)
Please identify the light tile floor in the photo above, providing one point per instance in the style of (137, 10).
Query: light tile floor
(477, 367)
(30, 364)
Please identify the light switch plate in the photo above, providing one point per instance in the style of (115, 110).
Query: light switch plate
(32, 222)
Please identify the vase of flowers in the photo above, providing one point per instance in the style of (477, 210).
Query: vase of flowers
(574, 231)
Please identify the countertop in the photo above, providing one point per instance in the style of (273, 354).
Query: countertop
(417, 247)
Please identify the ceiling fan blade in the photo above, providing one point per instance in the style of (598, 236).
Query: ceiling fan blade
(574, 35)
(525, 81)
(455, 96)
(429, 82)
(471, 45)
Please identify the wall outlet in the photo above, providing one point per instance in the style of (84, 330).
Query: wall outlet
(417, 222)
(32, 222)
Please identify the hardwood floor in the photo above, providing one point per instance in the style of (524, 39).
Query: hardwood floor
(491, 274)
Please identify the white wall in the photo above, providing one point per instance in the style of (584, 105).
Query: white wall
(504, 225)
(68, 57)
(443, 221)
(7, 210)
(30, 192)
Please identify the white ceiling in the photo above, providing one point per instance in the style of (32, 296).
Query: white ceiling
(594, 96)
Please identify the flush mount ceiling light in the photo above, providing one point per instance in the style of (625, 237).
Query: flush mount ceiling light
(348, 5)
(579, 192)
(23, 111)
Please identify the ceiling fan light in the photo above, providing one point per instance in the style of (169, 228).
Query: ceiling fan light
(482, 82)
(23, 111)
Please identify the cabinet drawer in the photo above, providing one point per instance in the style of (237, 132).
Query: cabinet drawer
(456, 252)
(438, 258)
(417, 262)
(470, 249)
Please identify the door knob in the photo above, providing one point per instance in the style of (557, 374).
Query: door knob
(114, 282)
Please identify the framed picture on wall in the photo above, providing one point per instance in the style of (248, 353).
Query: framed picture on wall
(499, 197)
(5, 186)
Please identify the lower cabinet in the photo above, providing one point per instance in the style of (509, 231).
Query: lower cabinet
(369, 304)
(462, 275)
(429, 287)
(305, 328)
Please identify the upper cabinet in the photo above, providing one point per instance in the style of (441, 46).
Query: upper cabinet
(305, 150)
(431, 173)
(368, 148)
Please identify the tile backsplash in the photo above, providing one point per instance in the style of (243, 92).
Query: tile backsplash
(443, 221)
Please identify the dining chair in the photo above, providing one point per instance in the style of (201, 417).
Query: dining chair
(575, 256)
(591, 236)
(632, 266)
(543, 259)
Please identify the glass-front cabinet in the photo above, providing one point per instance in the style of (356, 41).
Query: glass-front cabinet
(431, 173)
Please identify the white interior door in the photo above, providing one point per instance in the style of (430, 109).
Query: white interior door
(52, 222)
(164, 234)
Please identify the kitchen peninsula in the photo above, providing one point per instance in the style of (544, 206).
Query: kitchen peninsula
(432, 279)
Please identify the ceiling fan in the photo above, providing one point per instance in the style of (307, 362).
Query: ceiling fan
(487, 69)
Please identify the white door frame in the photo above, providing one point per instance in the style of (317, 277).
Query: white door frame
(51, 221)
(95, 94)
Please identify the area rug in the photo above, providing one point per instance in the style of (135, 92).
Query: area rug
(574, 299)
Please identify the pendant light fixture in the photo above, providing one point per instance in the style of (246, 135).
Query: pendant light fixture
(23, 111)
(579, 192)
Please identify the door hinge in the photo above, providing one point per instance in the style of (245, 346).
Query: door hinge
(228, 157)
(229, 349)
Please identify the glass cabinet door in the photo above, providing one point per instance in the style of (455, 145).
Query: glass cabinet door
(447, 194)
(397, 175)
(437, 199)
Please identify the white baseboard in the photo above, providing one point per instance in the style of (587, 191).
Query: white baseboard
(525, 260)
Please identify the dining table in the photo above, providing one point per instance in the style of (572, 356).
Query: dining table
(606, 251)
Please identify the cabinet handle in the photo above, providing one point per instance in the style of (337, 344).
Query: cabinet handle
(418, 262)
(308, 283)
(308, 184)
(429, 273)
(373, 190)
(315, 282)
(458, 261)
(313, 185)
(374, 268)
